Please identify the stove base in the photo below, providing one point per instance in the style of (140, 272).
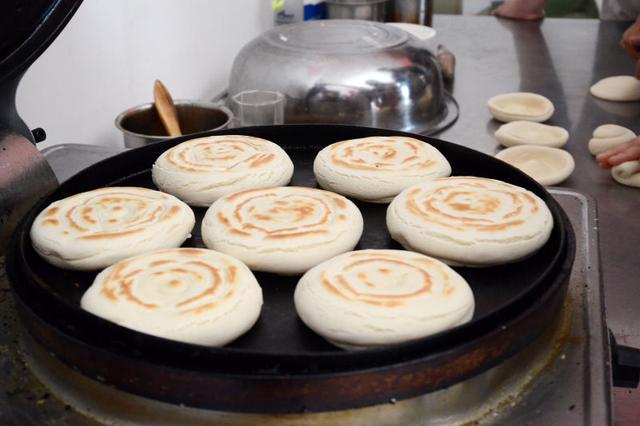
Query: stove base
(482, 399)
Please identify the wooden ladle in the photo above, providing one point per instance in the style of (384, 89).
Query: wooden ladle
(166, 109)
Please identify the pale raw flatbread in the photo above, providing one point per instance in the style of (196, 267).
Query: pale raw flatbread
(627, 173)
(376, 169)
(620, 88)
(200, 171)
(520, 106)
(609, 136)
(285, 230)
(372, 298)
(531, 133)
(189, 295)
(548, 166)
(470, 221)
(98, 228)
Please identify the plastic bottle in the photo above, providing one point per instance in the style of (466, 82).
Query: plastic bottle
(290, 11)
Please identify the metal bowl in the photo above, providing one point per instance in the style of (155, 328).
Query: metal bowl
(370, 10)
(348, 72)
(141, 124)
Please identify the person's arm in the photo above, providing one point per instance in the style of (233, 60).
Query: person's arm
(529, 10)
(626, 152)
(631, 43)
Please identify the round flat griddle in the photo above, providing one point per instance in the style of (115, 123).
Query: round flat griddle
(281, 366)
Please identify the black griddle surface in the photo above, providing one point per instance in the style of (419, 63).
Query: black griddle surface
(279, 335)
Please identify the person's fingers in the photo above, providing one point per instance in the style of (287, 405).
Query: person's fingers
(604, 165)
(618, 155)
(613, 151)
(632, 44)
(631, 40)
(520, 10)
(632, 48)
(603, 158)
(631, 154)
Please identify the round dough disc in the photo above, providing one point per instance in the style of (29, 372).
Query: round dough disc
(520, 106)
(470, 221)
(376, 169)
(621, 88)
(285, 230)
(371, 298)
(531, 133)
(98, 228)
(200, 171)
(189, 295)
(548, 166)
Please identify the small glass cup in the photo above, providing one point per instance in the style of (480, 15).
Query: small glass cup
(258, 108)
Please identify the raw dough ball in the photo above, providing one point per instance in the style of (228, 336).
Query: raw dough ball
(286, 230)
(470, 221)
(621, 88)
(627, 173)
(548, 166)
(609, 136)
(98, 228)
(372, 298)
(376, 169)
(520, 106)
(200, 171)
(531, 133)
(189, 295)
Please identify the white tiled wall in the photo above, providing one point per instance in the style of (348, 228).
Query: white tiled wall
(108, 56)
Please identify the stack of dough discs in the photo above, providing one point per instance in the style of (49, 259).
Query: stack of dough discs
(381, 297)
(190, 295)
(98, 228)
(470, 221)
(376, 169)
(286, 229)
(202, 170)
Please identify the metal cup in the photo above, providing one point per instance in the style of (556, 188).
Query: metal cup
(141, 124)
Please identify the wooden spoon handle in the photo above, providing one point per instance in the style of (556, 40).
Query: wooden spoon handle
(166, 109)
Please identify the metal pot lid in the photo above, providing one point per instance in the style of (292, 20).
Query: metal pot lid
(336, 36)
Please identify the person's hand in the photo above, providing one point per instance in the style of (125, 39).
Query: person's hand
(626, 152)
(528, 10)
(631, 43)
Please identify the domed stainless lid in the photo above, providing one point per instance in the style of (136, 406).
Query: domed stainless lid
(336, 37)
(348, 72)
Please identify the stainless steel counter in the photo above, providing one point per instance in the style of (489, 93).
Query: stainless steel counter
(560, 59)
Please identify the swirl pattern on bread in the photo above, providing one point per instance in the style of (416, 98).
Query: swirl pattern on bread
(262, 226)
(187, 294)
(379, 297)
(97, 228)
(200, 171)
(470, 221)
(375, 169)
